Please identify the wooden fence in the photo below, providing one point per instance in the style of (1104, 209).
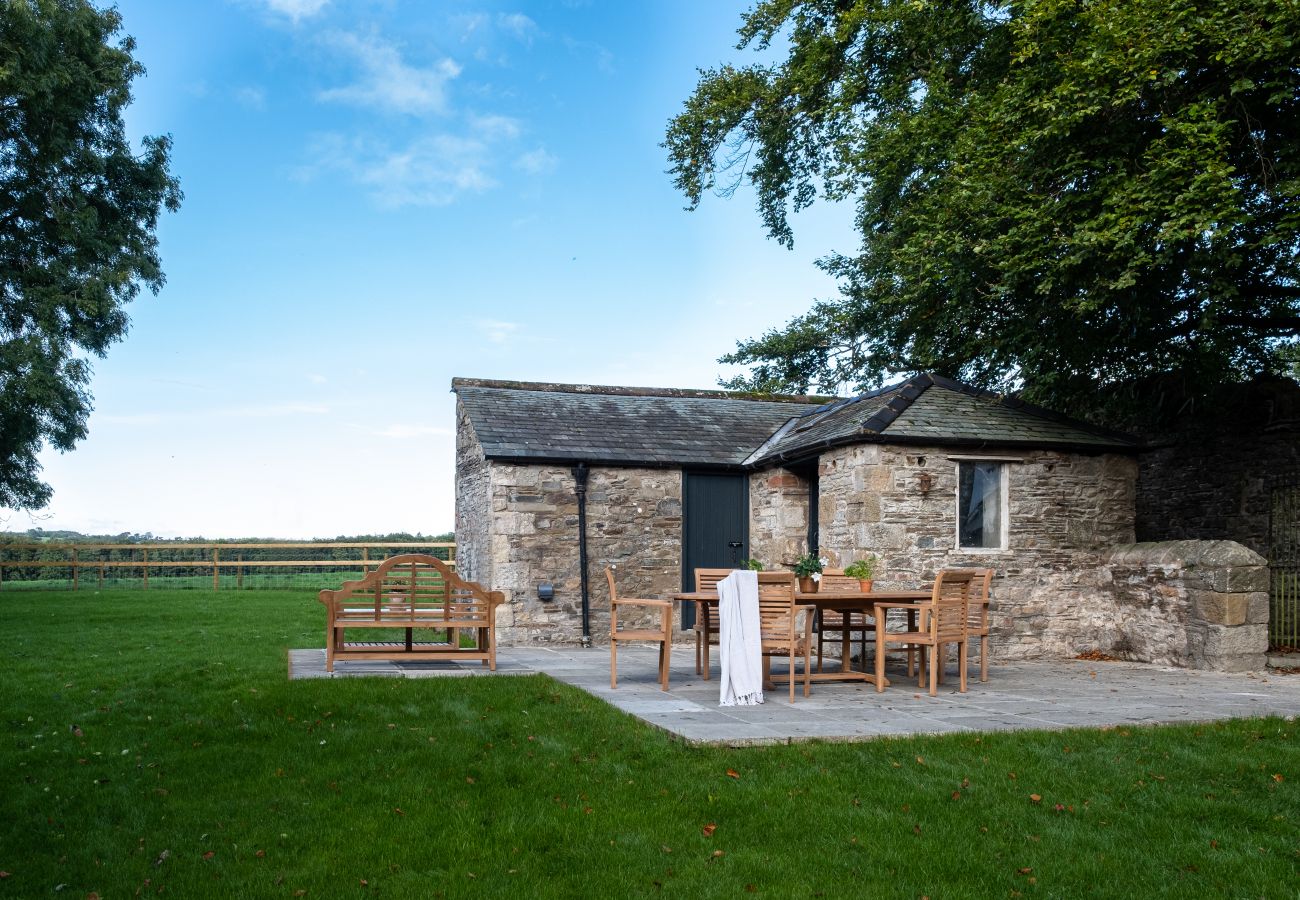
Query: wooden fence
(190, 565)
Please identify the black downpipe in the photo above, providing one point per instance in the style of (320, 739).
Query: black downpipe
(580, 473)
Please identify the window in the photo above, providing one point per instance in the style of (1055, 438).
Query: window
(981, 505)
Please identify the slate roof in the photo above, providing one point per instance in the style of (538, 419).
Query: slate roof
(630, 426)
(664, 427)
(929, 409)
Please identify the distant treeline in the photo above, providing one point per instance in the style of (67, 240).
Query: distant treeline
(169, 557)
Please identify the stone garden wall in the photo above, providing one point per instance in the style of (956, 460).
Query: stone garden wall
(1198, 604)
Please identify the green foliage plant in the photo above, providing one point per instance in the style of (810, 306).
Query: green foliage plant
(754, 565)
(1051, 196)
(78, 213)
(863, 569)
(808, 565)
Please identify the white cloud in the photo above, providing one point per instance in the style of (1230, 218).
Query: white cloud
(316, 378)
(518, 26)
(431, 171)
(296, 9)
(495, 127)
(536, 162)
(496, 331)
(386, 80)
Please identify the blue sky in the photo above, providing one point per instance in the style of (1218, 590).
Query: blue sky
(380, 196)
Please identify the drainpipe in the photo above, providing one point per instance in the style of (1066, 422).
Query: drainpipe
(580, 473)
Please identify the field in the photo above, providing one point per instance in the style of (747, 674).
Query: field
(152, 744)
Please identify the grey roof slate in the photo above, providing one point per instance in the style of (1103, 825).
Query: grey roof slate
(619, 425)
(639, 426)
(929, 409)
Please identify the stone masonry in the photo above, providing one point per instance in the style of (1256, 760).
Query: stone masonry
(1198, 604)
(778, 517)
(517, 527)
(1066, 510)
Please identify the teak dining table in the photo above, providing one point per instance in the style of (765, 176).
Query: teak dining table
(706, 603)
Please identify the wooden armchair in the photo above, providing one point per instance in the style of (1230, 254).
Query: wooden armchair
(663, 634)
(977, 617)
(943, 621)
(854, 623)
(778, 621)
(705, 580)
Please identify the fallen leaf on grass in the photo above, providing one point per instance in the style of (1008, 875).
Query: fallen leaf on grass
(717, 854)
(732, 773)
(1025, 871)
(162, 858)
(1278, 778)
(1035, 798)
(210, 854)
(709, 829)
(956, 795)
(916, 830)
(5, 874)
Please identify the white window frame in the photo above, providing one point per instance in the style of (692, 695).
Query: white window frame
(1004, 498)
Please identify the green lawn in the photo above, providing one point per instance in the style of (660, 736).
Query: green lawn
(199, 770)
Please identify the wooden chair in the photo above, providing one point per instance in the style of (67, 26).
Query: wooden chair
(705, 580)
(663, 635)
(943, 621)
(778, 622)
(834, 581)
(977, 617)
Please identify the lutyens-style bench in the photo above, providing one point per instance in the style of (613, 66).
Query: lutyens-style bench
(457, 618)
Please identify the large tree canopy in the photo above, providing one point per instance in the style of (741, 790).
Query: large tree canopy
(78, 210)
(1054, 194)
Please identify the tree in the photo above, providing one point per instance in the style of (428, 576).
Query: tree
(78, 211)
(1053, 195)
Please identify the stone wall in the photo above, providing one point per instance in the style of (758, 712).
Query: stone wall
(1199, 604)
(634, 521)
(778, 517)
(473, 559)
(1065, 511)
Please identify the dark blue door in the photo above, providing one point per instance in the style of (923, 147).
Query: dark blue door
(715, 526)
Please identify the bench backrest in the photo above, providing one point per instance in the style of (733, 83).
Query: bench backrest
(414, 585)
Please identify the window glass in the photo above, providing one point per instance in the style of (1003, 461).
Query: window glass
(979, 504)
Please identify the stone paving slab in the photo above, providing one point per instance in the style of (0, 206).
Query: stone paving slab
(1039, 694)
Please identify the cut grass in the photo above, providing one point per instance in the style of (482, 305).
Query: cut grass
(201, 770)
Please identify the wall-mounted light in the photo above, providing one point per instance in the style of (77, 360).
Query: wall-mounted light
(924, 482)
(546, 592)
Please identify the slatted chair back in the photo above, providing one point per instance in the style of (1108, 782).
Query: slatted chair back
(707, 579)
(977, 614)
(834, 581)
(949, 605)
(776, 603)
(417, 586)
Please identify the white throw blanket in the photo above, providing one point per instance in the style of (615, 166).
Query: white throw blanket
(739, 641)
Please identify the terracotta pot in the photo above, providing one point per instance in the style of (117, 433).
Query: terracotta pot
(807, 586)
(865, 584)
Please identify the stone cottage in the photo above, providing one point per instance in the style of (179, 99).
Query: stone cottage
(925, 474)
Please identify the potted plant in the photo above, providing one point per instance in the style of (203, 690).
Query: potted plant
(808, 569)
(863, 570)
(754, 565)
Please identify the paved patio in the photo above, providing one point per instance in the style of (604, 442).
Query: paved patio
(1039, 694)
